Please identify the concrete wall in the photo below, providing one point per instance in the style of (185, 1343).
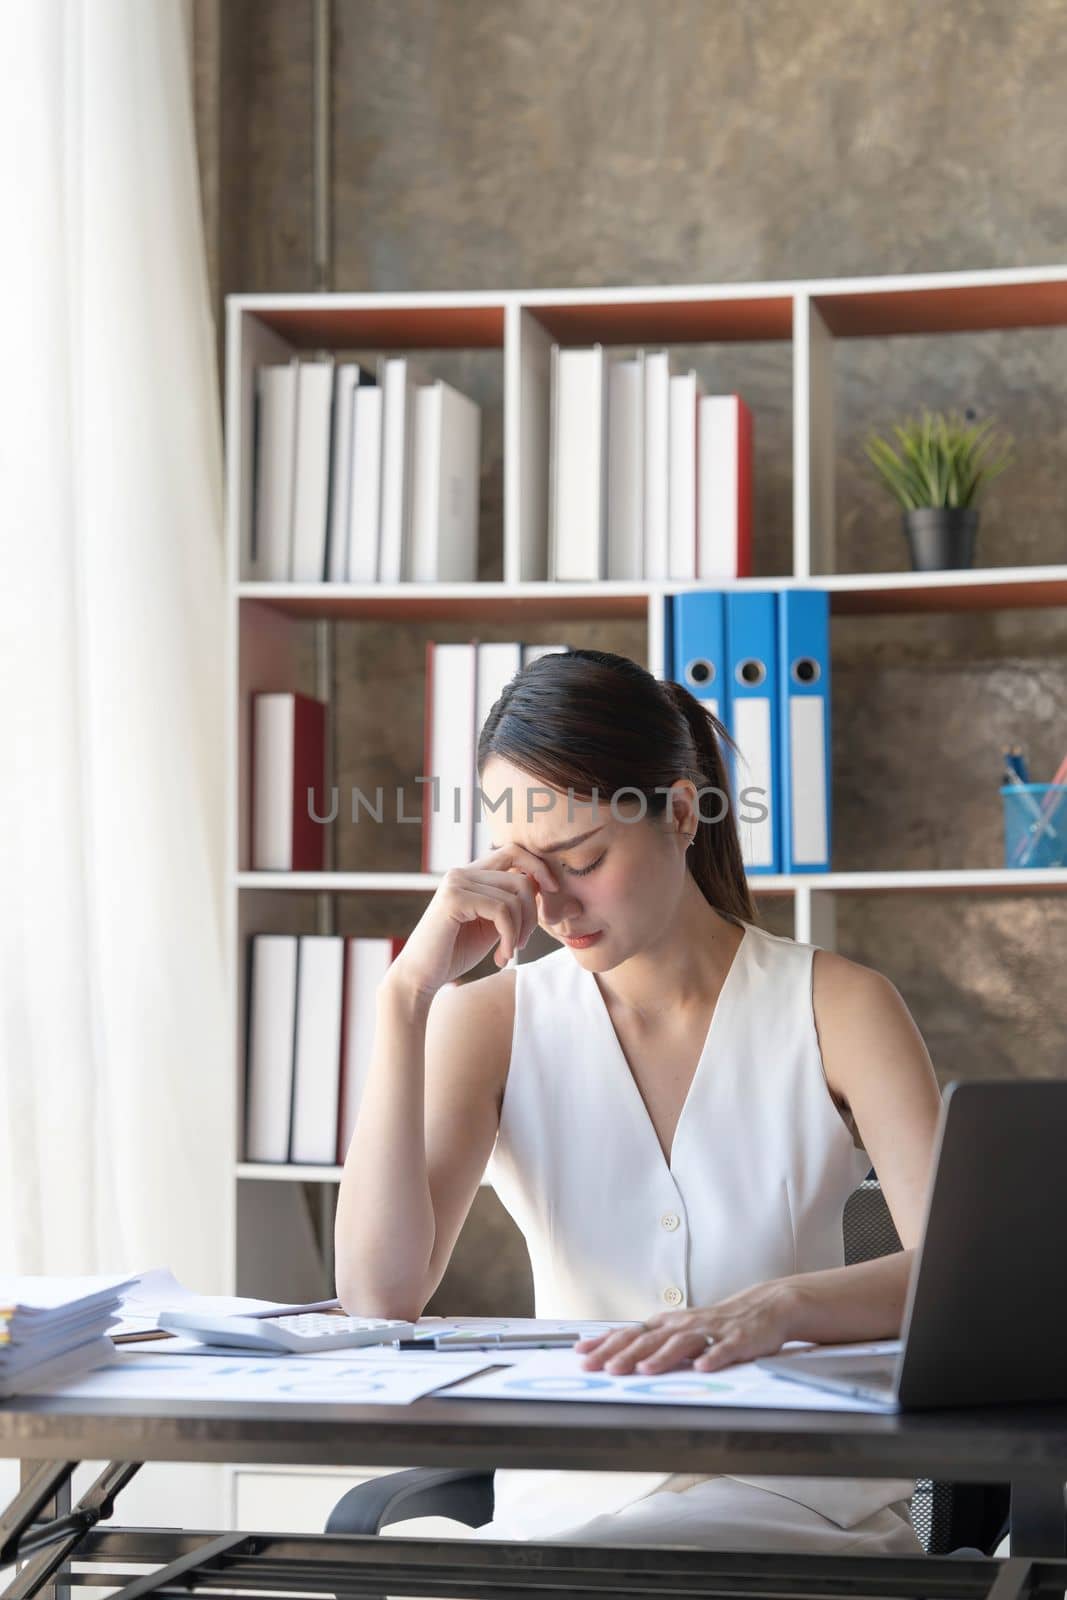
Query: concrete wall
(486, 143)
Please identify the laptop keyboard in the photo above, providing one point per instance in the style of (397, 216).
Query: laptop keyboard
(877, 1377)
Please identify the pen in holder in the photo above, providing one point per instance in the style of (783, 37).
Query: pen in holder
(1035, 824)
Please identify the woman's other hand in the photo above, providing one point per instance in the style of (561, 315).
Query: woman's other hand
(753, 1323)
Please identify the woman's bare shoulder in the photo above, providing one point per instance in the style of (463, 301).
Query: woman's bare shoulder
(838, 980)
(860, 1016)
(876, 1061)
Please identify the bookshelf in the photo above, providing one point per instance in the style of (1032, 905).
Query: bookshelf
(279, 1219)
(269, 622)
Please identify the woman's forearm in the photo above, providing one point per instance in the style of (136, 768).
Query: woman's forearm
(385, 1227)
(845, 1304)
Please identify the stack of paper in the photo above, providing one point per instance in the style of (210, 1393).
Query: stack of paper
(54, 1327)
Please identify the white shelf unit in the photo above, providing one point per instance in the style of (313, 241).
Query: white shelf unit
(522, 325)
(269, 1206)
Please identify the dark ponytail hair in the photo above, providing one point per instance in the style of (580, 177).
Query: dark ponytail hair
(588, 720)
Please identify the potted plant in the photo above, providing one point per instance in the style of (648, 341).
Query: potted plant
(942, 465)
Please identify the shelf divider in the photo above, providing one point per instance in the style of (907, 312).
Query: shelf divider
(813, 441)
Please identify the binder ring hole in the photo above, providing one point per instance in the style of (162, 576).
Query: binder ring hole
(805, 670)
(700, 672)
(751, 672)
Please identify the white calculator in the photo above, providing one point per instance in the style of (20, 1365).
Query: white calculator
(300, 1334)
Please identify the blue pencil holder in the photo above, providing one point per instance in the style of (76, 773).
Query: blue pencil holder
(1035, 824)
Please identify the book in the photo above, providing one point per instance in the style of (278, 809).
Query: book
(578, 450)
(445, 476)
(752, 703)
(346, 382)
(626, 467)
(311, 483)
(684, 395)
(272, 983)
(498, 662)
(533, 652)
(448, 746)
(724, 537)
(804, 742)
(288, 783)
(364, 508)
(272, 514)
(657, 464)
(398, 390)
(367, 960)
(696, 628)
(317, 1049)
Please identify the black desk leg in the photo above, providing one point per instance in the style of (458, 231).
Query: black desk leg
(58, 1505)
(1038, 1519)
(51, 1541)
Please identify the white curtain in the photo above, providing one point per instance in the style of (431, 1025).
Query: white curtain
(115, 1071)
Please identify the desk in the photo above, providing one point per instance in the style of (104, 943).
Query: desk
(1026, 1446)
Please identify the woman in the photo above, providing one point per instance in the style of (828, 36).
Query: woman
(674, 1106)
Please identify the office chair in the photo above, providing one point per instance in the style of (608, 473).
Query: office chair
(961, 1519)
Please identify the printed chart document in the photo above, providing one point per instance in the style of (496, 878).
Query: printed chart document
(559, 1375)
(352, 1377)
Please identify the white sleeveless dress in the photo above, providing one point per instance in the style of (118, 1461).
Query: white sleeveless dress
(760, 1169)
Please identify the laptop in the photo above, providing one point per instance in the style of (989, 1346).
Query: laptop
(984, 1315)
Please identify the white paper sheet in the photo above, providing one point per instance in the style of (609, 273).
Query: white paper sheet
(159, 1290)
(531, 1326)
(354, 1377)
(176, 1346)
(37, 1295)
(559, 1375)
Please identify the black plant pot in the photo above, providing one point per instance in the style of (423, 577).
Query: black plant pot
(941, 536)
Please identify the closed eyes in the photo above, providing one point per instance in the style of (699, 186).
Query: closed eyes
(575, 872)
(580, 872)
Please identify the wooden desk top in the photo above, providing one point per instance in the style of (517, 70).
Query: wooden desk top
(990, 1445)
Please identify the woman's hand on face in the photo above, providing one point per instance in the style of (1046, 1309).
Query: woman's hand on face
(492, 900)
(753, 1323)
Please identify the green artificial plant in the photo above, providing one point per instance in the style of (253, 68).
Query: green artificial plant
(942, 461)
